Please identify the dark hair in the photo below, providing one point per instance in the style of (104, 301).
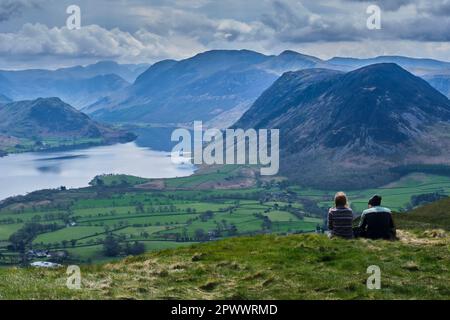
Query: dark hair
(375, 201)
(340, 199)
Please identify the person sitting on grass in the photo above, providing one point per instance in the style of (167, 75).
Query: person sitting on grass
(340, 218)
(376, 222)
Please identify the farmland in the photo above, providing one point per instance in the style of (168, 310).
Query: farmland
(180, 212)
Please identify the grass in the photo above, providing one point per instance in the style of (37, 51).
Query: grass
(260, 267)
(308, 266)
(146, 216)
(432, 216)
(154, 215)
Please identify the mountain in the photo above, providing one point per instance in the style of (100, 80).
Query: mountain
(441, 82)
(52, 118)
(348, 129)
(414, 65)
(129, 72)
(79, 86)
(208, 87)
(4, 99)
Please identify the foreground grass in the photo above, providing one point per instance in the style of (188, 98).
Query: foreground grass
(261, 267)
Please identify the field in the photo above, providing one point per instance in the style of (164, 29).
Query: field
(28, 145)
(160, 220)
(396, 195)
(176, 229)
(180, 214)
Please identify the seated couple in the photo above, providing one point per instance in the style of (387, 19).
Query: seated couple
(375, 222)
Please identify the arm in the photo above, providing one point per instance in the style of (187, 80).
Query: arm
(363, 223)
(330, 220)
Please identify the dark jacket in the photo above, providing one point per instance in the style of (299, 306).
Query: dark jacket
(377, 223)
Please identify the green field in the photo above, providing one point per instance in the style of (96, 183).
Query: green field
(174, 217)
(29, 145)
(158, 219)
(396, 195)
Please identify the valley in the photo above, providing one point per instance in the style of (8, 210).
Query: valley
(271, 267)
(160, 214)
(332, 136)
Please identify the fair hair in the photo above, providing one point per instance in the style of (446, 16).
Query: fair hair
(340, 199)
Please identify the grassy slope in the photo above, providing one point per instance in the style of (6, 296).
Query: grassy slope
(435, 215)
(262, 267)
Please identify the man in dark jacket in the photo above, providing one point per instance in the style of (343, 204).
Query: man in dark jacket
(376, 222)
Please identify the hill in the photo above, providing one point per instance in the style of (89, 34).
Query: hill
(334, 124)
(51, 118)
(307, 266)
(279, 267)
(205, 87)
(432, 216)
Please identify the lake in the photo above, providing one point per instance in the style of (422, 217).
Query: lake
(27, 172)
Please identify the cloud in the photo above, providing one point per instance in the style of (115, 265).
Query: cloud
(388, 5)
(36, 40)
(13, 8)
(136, 31)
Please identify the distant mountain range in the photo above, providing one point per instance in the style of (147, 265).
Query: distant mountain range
(415, 65)
(219, 86)
(336, 116)
(334, 124)
(78, 86)
(215, 85)
(49, 118)
(440, 81)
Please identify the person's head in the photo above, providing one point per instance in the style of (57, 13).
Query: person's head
(375, 201)
(340, 200)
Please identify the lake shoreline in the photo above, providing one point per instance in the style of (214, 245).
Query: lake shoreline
(73, 147)
(30, 171)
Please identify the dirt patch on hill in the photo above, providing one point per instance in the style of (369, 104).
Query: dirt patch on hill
(429, 237)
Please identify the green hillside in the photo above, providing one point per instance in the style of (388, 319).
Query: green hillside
(265, 267)
(261, 267)
(432, 216)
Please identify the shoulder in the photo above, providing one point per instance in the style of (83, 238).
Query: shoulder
(376, 209)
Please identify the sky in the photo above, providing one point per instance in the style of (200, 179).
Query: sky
(33, 33)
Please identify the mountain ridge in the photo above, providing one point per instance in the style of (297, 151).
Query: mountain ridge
(205, 86)
(79, 85)
(51, 118)
(335, 124)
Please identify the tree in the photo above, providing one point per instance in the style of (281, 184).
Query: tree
(200, 235)
(136, 249)
(111, 247)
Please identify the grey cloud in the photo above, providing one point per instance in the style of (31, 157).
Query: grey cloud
(437, 8)
(12, 8)
(389, 5)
